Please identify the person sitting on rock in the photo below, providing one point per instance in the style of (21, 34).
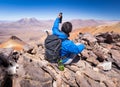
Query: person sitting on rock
(69, 50)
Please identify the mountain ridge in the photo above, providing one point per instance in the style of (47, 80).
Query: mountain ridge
(77, 23)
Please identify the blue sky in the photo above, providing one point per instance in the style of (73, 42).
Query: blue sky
(48, 9)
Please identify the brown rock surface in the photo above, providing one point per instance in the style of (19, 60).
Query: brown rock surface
(35, 71)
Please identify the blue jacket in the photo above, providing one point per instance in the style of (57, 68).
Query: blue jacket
(68, 46)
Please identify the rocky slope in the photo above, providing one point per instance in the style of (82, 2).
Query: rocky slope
(97, 66)
(13, 42)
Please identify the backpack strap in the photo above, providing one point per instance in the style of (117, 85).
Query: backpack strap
(58, 45)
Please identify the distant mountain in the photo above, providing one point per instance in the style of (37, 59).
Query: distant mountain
(78, 23)
(115, 27)
(32, 21)
(24, 23)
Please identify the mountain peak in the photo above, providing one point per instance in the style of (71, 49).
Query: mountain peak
(15, 38)
(13, 42)
(28, 21)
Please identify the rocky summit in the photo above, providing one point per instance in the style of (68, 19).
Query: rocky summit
(97, 66)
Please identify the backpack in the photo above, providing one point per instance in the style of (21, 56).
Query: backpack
(52, 48)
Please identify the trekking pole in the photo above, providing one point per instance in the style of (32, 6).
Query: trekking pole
(47, 32)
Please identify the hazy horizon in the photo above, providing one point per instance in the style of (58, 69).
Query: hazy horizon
(40, 19)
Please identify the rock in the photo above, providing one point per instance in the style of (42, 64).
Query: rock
(118, 44)
(81, 64)
(93, 83)
(100, 39)
(100, 52)
(92, 58)
(92, 74)
(72, 68)
(6, 52)
(105, 65)
(116, 57)
(16, 82)
(85, 54)
(103, 49)
(6, 55)
(96, 69)
(2, 74)
(91, 54)
(26, 83)
(35, 77)
(89, 47)
(34, 51)
(109, 83)
(116, 37)
(91, 40)
(115, 47)
(81, 81)
(88, 37)
(92, 61)
(99, 55)
(106, 47)
(109, 38)
(70, 78)
(7, 81)
(12, 69)
(54, 84)
(27, 48)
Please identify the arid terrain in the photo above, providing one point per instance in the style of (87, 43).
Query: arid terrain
(115, 27)
(32, 29)
(22, 48)
(26, 29)
(97, 66)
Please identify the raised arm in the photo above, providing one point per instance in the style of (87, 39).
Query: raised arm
(55, 29)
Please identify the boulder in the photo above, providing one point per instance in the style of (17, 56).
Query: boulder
(118, 44)
(28, 48)
(81, 81)
(91, 40)
(105, 65)
(115, 57)
(6, 52)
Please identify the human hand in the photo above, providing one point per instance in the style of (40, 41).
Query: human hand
(60, 15)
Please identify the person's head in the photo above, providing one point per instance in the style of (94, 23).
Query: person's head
(66, 27)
